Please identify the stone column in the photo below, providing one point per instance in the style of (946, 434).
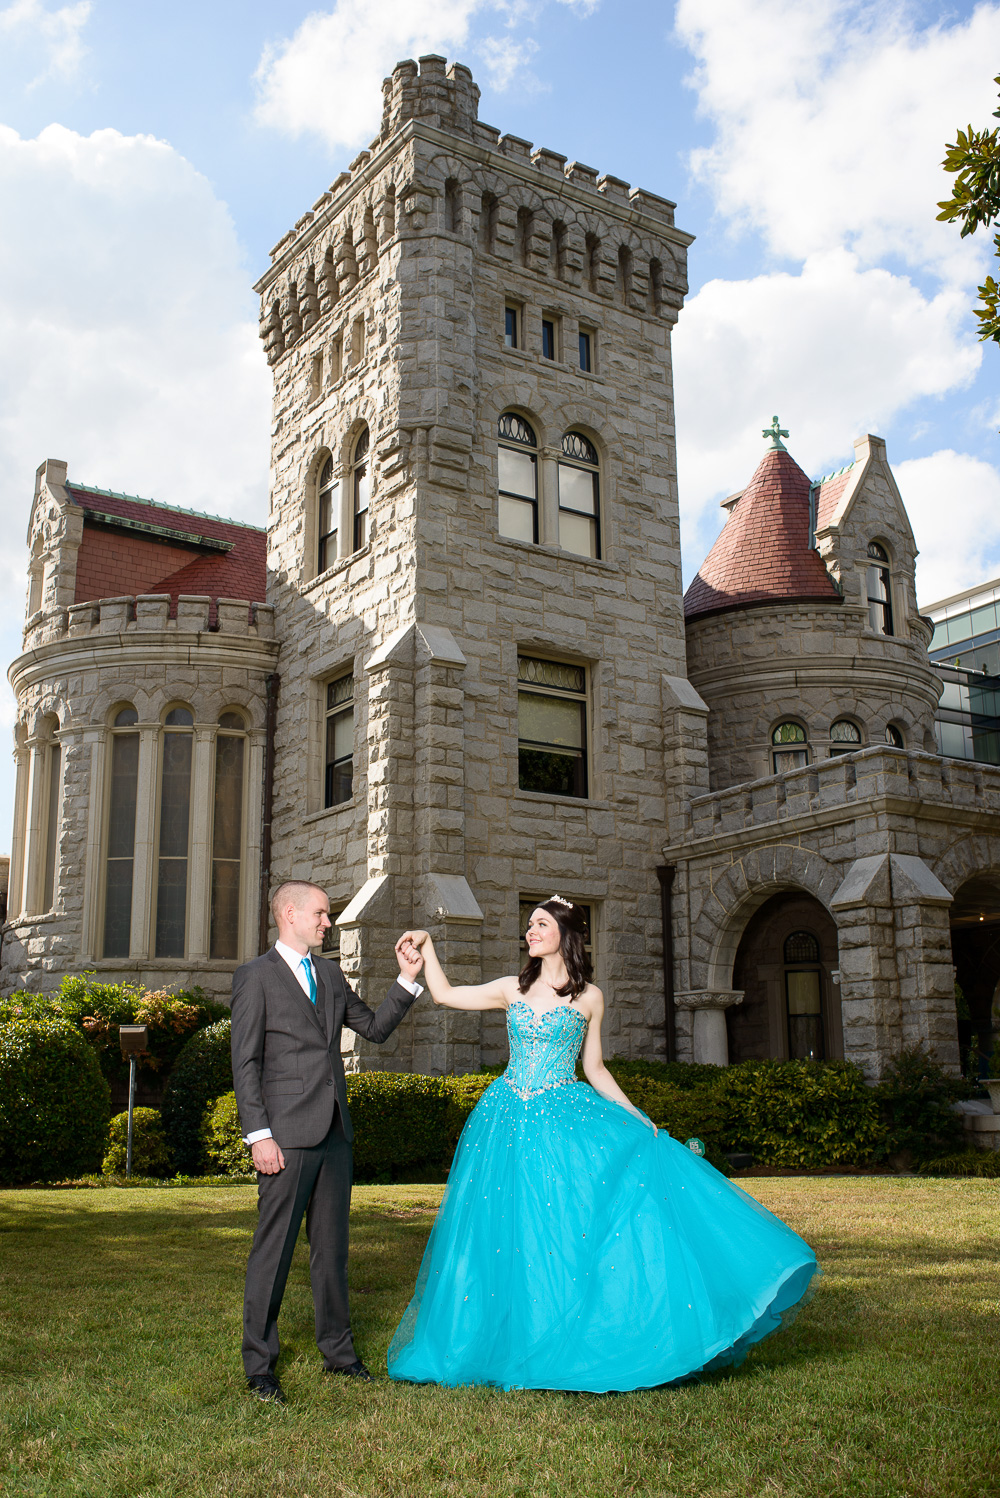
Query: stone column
(199, 844)
(143, 860)
(34, 840)
(923, 959)
(252, 832)
(548, 496)
(701, 1024)
(869, 980)
(19, 831)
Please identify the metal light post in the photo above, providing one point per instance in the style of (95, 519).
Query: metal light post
(133, 1040)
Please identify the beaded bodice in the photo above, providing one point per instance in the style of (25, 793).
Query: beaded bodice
(543, 1047)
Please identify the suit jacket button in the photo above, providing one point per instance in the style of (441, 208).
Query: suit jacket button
(329, 1082)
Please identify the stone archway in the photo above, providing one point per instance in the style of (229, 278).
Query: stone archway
(784, 963)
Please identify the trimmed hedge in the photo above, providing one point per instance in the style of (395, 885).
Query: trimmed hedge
(202, 1072)
(799, 1114)
(915, 1097)
(686, 1075)
(54, 1103)
(150, 1156)
(222, 1138)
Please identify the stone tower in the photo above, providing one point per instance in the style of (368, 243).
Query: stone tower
(474, 557)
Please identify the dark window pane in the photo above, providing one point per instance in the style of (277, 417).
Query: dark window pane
(805, 1018)
(340, 691)
(126, 717)
(52, 827)
(548, 340)
(175, 816)
(585, 352)
(551, 773)
(171, 903)
(576, 445)
(513, 428)
(801, 946)
(228, 825)
(225, 910)
(179, 717)
(338, 786)
(231, 720)
(118, 908)
(510, 327)
(124, 779)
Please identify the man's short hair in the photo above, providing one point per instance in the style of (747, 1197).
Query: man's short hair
(292, 892)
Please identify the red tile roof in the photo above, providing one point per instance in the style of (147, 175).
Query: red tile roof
(762, 554)
(133, 545)
(828, 492)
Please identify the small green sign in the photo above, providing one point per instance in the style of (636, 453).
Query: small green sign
(696, 1146)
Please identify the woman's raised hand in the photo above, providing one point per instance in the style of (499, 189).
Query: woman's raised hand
(409, 945)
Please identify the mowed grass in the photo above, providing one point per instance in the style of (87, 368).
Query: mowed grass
(120, 1374)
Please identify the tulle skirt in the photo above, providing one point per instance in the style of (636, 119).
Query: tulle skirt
(574, 1250)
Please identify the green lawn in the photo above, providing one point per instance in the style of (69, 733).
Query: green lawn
(120, 1373)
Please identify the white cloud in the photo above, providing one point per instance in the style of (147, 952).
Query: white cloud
(327, 78)
(836, 351)
(55, 34)
(129, 336)
(831, 119)
(953, 501)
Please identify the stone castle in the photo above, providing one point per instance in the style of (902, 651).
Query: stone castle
(463, 676)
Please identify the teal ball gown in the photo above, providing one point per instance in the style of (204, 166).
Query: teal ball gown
(576, 1250)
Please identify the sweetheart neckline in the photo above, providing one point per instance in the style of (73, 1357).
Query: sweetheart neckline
(554, 1009)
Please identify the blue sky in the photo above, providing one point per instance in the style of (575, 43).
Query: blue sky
(150, 155)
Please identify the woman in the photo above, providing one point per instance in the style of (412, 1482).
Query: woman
(577, 1248)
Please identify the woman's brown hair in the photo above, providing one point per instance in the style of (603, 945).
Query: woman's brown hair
(572, 948)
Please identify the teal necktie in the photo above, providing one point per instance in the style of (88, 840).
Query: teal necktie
(311, 977)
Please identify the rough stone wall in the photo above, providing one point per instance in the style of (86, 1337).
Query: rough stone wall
(811, 662)
(464, 224)
(883, 839)
(79, 665)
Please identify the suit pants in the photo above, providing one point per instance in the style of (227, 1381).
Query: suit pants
(316, 1183)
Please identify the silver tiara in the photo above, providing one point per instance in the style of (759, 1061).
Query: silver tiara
(558, 900)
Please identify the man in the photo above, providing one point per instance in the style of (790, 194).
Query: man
(287, 1015)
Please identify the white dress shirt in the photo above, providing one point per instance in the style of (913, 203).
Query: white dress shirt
(295, 961)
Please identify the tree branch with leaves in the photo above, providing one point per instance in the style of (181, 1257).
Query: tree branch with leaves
(975, 161)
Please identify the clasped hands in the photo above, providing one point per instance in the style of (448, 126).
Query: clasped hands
(408, 953)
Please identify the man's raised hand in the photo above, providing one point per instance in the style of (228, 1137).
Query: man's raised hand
(408, 953)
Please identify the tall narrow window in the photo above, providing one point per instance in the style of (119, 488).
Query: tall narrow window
(122, 790)
(879, 587)
(579, 497)
(517, 458)
(551, 727)
(586, 353)
(803, 997)
(227, 836)
(790, 749)
(328, 506)
(339, 778)
(54, 771)
(176, 747)
(548, 339)
(510, 327)
(845, 737)
(361, 490)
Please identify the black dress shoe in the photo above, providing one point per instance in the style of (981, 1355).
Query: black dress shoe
(265, 1387)
(356, 1369)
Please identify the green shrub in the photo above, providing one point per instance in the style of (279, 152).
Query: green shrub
(399, 1120)
(799, 1114)
(683, 1114)
(222, 1138)
(686, 1075)
(150, 1156)
(202, 1072)
(99, 1008)
(915, 1097)
(963, 1163)
(54, 1103)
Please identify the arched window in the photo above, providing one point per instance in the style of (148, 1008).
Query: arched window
(120, 863)
(789, 747)
(803, 996)
(173, 843)
(327, 505)
(518, 469)
(894, 736)
(360, 489)
(579, 496)
(879, 588)
(845, 737)
(227, 836)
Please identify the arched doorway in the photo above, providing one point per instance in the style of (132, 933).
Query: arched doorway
(975, 951)
(784, 965)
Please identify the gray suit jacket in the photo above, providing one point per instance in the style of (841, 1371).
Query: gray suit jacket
(287, 1070)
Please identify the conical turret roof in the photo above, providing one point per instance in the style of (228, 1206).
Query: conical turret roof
(762, 554)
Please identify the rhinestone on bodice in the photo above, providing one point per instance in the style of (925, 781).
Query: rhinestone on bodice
(543, 1047)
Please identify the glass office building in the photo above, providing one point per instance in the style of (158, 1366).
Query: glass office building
(966, 651)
